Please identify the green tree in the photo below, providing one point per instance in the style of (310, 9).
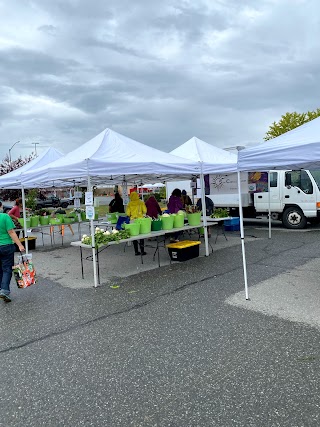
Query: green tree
(290, 121)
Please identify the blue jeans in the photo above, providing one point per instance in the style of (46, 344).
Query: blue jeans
(6, 263)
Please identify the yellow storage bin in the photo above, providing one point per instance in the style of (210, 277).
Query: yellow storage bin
(184, 250)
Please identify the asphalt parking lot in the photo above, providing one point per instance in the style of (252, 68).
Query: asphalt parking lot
(171, 346)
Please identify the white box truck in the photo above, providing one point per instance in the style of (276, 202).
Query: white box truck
(294, 195)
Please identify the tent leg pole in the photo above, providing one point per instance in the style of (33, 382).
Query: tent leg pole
(244, 262)
(204, 212)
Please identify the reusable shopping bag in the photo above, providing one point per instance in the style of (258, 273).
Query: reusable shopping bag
(24, 272)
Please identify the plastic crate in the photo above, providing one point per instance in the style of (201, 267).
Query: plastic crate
(184, 250)
(235, 227)
(232, 221)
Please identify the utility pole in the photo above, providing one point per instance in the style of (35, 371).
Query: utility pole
(35, 147)
(10, 151)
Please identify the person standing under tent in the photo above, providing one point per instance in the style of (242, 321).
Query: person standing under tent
(186, 201)
(15, 214)
(153, 207)
(209, 205)
(174, 206)
(136, 209)
(116, 204)
(7, 239)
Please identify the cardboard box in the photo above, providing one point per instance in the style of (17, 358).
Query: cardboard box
(184, 250)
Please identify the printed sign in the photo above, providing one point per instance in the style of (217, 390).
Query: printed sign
(76, 203)
(89, 212)
(88, 198)
(77, 194)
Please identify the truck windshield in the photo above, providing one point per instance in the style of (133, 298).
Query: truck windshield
(316, 176)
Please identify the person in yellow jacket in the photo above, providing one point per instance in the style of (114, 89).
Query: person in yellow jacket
(136, 209)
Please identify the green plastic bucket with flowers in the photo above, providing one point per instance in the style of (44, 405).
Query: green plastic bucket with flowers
(167, 222)
(44, 219)
(145, 225)
(194, 218)
(133, 227)
(83, 216)
(178, 220)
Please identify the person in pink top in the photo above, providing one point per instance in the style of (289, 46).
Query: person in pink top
(16, 210)
(14, 213)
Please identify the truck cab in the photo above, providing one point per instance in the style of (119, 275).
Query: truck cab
(294, 197)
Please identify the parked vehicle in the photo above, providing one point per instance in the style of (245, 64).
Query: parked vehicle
(294, 195)
(6, 206)
(52, 201)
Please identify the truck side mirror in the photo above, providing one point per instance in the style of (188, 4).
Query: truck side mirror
(288, 180)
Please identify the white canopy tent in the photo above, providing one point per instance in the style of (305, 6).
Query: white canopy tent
(112, 157)
(211, 160)
(296, 149)
(14, 179)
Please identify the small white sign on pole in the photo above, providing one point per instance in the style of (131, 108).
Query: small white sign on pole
(78, 194)
(88, 198)
(89, 212)
(76, 203)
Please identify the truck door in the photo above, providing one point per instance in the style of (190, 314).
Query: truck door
(299, 191)
(261, 200)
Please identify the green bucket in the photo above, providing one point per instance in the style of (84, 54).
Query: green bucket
(194, 218)
(156, 225)
(112, 217)
(145, 225)
(83, 216)
(167, 222)
(55, 221)
(178, 220)
(61, 216)
(34, 221)
(134, 228)
(21, 221)
(67, 220)
(44, 220)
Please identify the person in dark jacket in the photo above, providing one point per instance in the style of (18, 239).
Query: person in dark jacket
(153, 207)
(209, 205)
(116, 205)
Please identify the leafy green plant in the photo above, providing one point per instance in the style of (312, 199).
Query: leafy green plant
(103, 237)
(31, 199)
(220, 213)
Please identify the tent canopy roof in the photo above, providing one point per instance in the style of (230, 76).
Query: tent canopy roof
(13, 179)
(113, 158)
(213, 159)
(296, 149)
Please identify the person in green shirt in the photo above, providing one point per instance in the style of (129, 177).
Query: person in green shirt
(7, 239)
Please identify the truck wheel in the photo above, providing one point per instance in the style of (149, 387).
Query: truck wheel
(64, 205)
(294, 218)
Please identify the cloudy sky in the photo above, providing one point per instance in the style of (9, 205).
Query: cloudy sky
(157, 71)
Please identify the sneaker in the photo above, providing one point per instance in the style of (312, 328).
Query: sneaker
(137, 253)
(144, 253)
(5, 298)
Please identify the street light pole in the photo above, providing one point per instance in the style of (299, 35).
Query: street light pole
(35, 147)
(10, 151)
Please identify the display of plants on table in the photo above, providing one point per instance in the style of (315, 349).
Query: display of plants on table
(103, 237)
(220, 213)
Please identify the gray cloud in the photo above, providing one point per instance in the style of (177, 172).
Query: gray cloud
(223, 70)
